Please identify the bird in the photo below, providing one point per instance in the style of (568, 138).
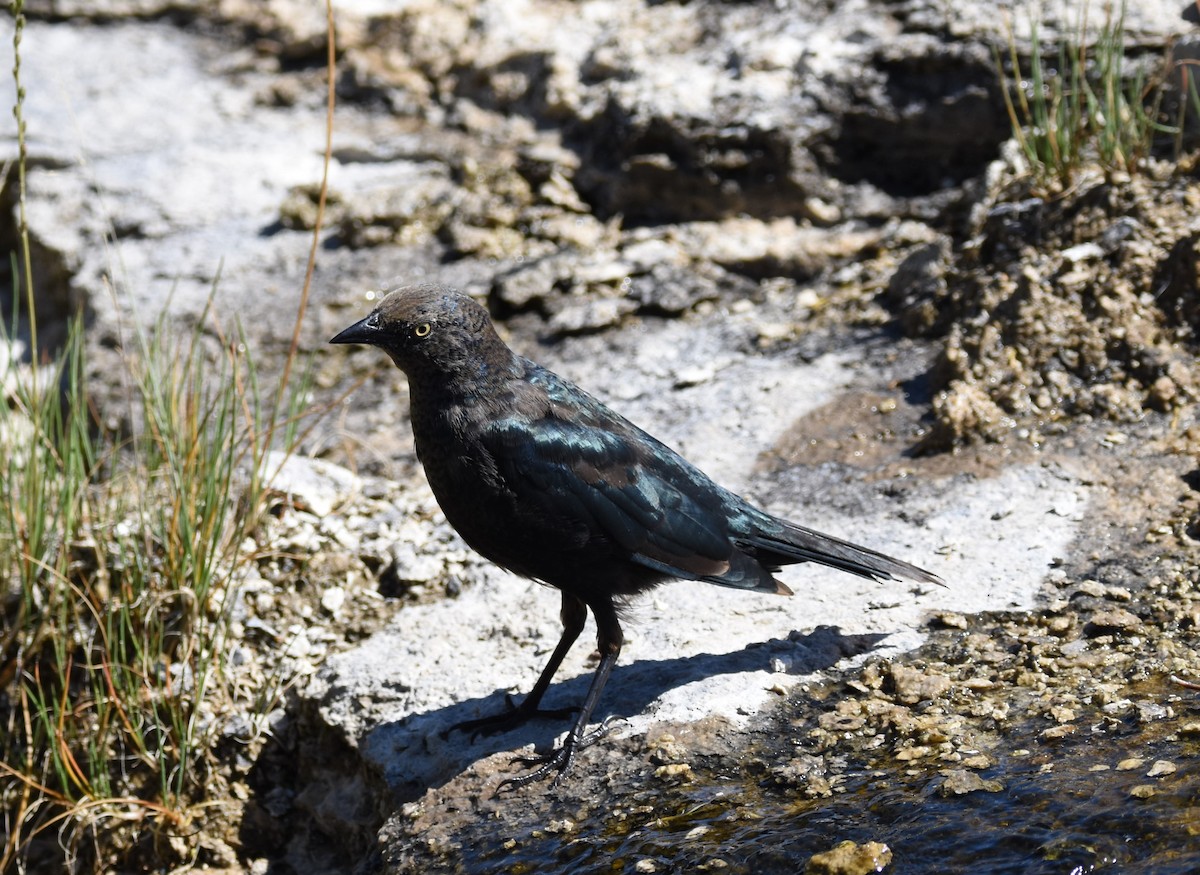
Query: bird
(546, 481)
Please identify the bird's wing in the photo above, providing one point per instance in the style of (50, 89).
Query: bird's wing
(626, 488)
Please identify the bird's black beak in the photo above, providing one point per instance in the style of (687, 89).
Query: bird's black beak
(362, 331)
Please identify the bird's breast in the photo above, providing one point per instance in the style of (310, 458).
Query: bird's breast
(464, 477)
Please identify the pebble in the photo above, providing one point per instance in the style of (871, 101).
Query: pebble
(1148, 711)
(680, 773)
(978, 684)
(959, 782)
(978, 761)
(333, 598)
(1074, 648)
(1160, 768)
(950, 620)
(850, 858)
(1062, 714)
(693, 376)
(1082, 252)
(1059, 625)
(913, 685)
(311, 484)
(1112, 620)
(1056, 732)
(667, 750)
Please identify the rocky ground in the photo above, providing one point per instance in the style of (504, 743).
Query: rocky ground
(789, 240)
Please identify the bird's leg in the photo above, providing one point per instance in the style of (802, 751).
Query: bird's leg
(574, 615)
(609, 639)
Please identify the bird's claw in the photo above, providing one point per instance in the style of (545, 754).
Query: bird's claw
(599, 732)
(558, 760)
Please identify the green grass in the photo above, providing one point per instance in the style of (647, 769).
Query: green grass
(1087, 109)
(120, 559)
(123, 559)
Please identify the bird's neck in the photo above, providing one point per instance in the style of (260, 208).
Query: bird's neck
(480, 380)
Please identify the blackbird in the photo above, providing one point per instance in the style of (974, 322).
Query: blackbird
(546, 481)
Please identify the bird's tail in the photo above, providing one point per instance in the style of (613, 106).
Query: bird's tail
(785, 543)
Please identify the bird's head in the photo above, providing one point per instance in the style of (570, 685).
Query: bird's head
(431, 329)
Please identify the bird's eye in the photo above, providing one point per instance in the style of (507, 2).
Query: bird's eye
(423, 329)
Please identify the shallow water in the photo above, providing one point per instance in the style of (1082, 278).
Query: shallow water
(1056, 813)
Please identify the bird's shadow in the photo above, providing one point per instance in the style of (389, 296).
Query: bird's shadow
(419, 753)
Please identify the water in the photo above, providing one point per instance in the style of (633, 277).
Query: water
(1055, 814)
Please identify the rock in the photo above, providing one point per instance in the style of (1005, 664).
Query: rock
(846, 717)
(1056, 732)
(666, 750)
(849, 858)
(678, 773)
(1094, 588)
(542, 160)
(666, 289)
(333, 598)
(564, 826)
(950, 620)
(590, 314)
(959, 782)
(1112, 620)
(917, 287)
(1076, 648)
(912, 685)
(1161, 768)
(1083, 252)
(800, 772)
(1149, 711)
(965, 411)
(978, 761)
(310, 484)
(407, 565)
(778, 247)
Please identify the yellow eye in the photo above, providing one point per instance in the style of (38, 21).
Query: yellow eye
(423, 329)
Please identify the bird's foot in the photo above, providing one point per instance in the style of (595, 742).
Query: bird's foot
(514, 716)
(557, 761)
(554, 763)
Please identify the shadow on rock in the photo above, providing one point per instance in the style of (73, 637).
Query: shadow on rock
(417, 754)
